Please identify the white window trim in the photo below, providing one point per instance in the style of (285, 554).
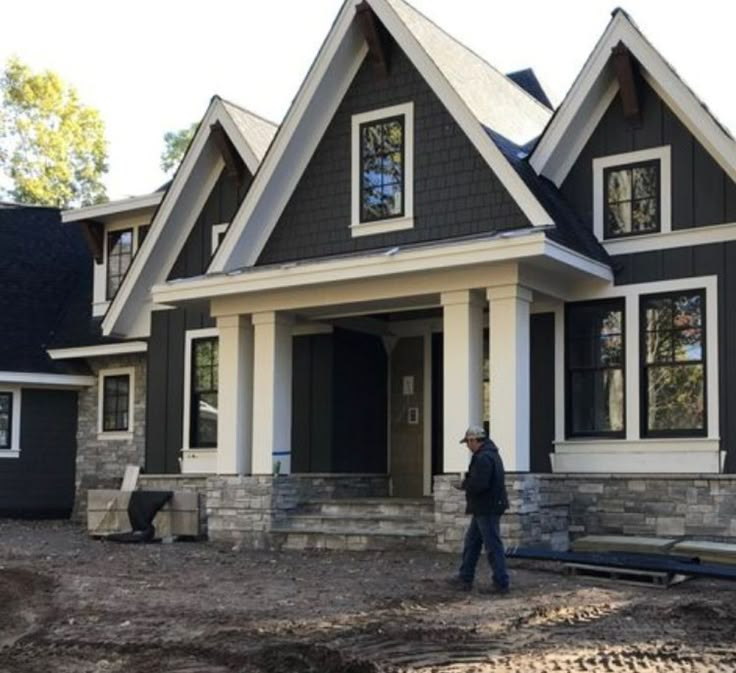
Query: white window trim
(116, 434)
(663, 154)
(189, 337)
(14, 450)
(636, 446)
(217, 229)
(358, 228)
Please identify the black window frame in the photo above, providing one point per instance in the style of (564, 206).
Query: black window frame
(645, 433)
(110, 295)
(620, 304)
(607, 234)
(9, 445)
(361, 209)
(194, 393)
(117, 426)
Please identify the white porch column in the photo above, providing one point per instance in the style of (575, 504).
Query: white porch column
(509, 373)
(234, 414)
(272, 393)
(463, 373)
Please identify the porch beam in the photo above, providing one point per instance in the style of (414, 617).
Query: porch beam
(462, 371)
(508, 308)
(234, 415)
(272, 384)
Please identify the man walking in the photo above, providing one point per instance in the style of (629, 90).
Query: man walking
(485, 495)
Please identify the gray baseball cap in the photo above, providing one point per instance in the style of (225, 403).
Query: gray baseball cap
(474, 432)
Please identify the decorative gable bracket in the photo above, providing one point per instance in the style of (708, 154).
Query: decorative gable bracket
(377, 38)
(627, 71)
(94, 236)
(234, 165)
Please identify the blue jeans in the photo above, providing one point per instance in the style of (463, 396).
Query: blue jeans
(484, 531)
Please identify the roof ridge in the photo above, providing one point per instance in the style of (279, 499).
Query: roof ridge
(470, 51)
(240, 108)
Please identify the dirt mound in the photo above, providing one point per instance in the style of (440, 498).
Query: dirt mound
(307, 659)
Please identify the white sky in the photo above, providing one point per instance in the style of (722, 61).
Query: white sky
(150, 67)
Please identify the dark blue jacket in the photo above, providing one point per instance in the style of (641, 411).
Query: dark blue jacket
(485, 482)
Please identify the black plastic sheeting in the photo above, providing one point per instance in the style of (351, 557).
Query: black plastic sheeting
(142, 509)
(681, 565)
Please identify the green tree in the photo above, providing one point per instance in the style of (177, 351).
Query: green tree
(52, 147)
(175, 145)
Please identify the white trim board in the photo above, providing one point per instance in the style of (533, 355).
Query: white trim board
(15, 406)
(679, 238)
(33, 380)
(112, 208)
(631, 295)
(100, 350)
(307, 119)
(565, 136)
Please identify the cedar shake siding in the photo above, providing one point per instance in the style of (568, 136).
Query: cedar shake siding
(717, 259)
(702, 194)
(40, 482)
(166, 346)
(455, 192)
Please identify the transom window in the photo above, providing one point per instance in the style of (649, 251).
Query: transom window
(673, 364)
(116, 403)
(204, 396)
(119, 257)
(595, 369)
(632, 197)
(382, 169)
(6, 420)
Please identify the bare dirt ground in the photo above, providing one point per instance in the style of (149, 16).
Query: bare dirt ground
(72, 604)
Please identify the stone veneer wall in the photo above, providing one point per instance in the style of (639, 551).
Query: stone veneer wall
(669, 505)
(538, 513)
(241, 509)
(101, 462)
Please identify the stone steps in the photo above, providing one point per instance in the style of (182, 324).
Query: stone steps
(365, 524)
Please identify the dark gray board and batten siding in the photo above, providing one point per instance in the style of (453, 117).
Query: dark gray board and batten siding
(40, 482)
(455, 192)
(166, 346)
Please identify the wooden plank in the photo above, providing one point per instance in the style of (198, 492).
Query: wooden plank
(375, 36)
(625, 575)
(625, 69)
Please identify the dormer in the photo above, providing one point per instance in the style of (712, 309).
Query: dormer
(114, 232)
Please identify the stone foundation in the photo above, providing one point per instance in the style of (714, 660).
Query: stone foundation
(100, 461)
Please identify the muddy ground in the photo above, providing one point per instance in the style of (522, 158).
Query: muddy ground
(72, 604)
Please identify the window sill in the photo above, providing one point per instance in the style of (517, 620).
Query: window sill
(381, 226)
(9, 453)
(115, 436)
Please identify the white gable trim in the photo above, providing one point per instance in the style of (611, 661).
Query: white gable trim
(112, 208)
(182, 204)
(566, 134)
(313, 108)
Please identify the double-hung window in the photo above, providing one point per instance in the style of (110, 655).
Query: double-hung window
(204, 393)
(6, 420)
(673, 364)
(595, 369)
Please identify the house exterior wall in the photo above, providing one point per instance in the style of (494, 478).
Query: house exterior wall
(40, 480)
(702, 194)
(455, 192)
(101, 461)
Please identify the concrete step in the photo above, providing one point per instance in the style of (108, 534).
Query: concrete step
(350, 540)
(417, 508)
(365, 523)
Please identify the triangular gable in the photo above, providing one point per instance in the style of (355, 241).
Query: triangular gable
(596, 86)
(480, 99)
(195, 178)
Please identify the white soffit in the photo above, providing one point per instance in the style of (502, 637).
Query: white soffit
(430, 50)
(595, 87)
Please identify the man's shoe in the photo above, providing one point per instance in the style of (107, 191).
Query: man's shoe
(459, 583)
(493, 590)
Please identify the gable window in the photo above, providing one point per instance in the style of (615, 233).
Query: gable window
(673, 364)
(6, 420)
(119, 257)
(383, 170)
(115, 403)
(632, 199)
(632, 194)
(204, 392)
(594, 355)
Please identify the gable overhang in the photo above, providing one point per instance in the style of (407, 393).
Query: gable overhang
(396, 273)
(128, 313)
(310, 114)
(43, 380)
(595, 88)
(105, 211)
